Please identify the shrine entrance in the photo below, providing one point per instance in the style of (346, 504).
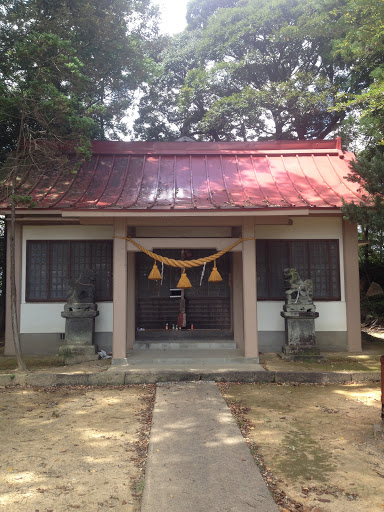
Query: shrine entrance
(207, 305)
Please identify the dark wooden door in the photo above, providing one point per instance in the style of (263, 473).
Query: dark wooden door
(208, 306)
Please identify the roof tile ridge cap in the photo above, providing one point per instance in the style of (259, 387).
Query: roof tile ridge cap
(141, 183)
(106, 184)
(69, 186)
(89, 183)
(309, 184)
(246, 195)
(48, 191)
(7, 183)
(276, 184)
(193, 195)
(40, 177)
(360, 197)
(155, 195)
(325, 181)
(123, 184)
(229, 197)
(174, 183)
(210, 194)
(292, 182)
(266, 200)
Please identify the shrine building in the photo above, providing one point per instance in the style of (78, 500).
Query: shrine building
(187, 201)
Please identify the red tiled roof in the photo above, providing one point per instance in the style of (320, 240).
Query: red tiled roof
(200, 176)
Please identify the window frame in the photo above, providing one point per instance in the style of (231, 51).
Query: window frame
(308, 241)
(48, 290)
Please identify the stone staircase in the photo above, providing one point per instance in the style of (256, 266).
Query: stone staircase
(186, 348)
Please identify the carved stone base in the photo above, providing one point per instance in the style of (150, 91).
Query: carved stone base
(74, 354)
(300, 336)
(79, 333)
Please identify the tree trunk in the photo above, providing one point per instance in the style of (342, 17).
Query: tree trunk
(15, 325)
(366, 248)
(3, 238)
(12, 246)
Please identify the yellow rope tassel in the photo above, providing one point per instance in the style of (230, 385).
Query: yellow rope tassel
(215, 276)
(155, 273)
(184, 282)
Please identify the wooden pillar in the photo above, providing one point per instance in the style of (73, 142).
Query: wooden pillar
(9, 346)
(251, 345)
(119, 339)
(237, 299)
(131, 327)
(352, 286)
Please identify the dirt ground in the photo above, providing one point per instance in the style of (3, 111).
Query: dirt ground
(316, 444)
(73, 448)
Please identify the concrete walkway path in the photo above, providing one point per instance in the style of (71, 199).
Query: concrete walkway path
(198, 460)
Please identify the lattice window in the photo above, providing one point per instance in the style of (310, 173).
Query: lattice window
(50, 264)
(37, 271)
(58, 270)
(314, 259)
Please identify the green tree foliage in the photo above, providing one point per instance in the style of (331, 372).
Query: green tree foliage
(199, 11)
(160, 117)
(92, 54)
(363, 49)
(250, 69)
(67, 74)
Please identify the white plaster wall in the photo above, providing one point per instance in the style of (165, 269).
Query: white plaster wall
(46, 317)
(332, 314)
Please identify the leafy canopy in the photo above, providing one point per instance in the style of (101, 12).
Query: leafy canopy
(249, 69)
(70, 69)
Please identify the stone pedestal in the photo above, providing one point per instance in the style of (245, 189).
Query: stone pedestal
(300, 336)
(79, 331)
(299, 315)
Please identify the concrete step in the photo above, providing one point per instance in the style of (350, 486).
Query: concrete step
(193, 358)
(184, 345)
(184, 335)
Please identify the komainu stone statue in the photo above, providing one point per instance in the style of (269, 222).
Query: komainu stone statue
(298, 293)
(82, 290)
(299, 314)
(80, 312)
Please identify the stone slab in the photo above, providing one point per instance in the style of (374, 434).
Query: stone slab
(366, 377)
(302, 357)
(7, 379)
(41, 379)
(184, 345)
(261, 377)
(198, 460)
(77, 379)
(106, 379)
(127, 375)
(313, 377)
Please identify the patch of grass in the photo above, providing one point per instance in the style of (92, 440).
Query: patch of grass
(302, 457)
(334, 363)
(349, 364)
(139, 488)
(32, 362)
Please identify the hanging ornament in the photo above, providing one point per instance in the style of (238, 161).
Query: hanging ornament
(215, 276)
(202, 273)
(184, 282)
(155, 274)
